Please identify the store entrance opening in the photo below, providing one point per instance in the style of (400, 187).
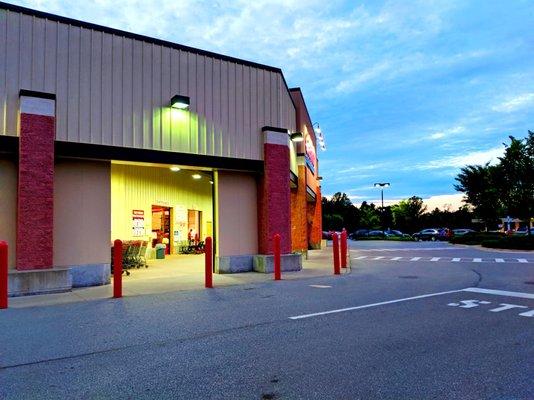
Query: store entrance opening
(161, 227)
(166, 210)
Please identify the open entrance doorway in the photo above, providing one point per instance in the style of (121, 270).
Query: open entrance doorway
(161, 227)
(168, 209)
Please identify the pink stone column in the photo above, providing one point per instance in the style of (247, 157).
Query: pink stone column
(274, 207)
(35, 203)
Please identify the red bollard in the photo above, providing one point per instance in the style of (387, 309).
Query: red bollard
(335, 246)
(344, 248)
(117, 269)
(277, 258)
(208, 257)
(3, 275)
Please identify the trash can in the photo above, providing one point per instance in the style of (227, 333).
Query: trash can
(160, 251)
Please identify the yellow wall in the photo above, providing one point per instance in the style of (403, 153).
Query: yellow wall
(136, 187)
(8, 207)
(81, 212)
(237, 221)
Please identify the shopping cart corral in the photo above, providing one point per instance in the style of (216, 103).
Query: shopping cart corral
(133, 255)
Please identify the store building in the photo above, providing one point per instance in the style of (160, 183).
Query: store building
(109, 135)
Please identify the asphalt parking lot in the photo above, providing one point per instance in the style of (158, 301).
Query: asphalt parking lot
(384, 329)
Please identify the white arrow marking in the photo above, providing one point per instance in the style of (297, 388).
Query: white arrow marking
(396, 258)
(527, 313)
(456, 259)
(477, 259)
(415, 258)
(505, 307)
(378, 258)
(499, 260)
(522, 260)
(435, 258)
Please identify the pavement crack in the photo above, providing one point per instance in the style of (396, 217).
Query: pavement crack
(479, 275)
(161, 343)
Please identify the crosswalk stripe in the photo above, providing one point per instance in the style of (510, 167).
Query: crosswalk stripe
(477, 259)
(415, 258)
(396, 258)
(499, 260)
(435, 258)
(522, 260)
(456, 259)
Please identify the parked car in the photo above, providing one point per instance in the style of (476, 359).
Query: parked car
(376, 233)
(462, 231)
(395, 233)
(359, 234)
(523, 232)
(427, 234)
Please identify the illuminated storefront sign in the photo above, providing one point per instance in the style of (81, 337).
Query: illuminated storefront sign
(309, 155)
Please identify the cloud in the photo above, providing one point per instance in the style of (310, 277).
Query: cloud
(515, 103)
(449, 202)
(477, 157)
(447, 133)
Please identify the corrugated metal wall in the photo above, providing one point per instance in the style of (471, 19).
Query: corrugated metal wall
(115, 90)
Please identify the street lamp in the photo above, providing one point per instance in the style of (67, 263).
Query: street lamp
(382, 185)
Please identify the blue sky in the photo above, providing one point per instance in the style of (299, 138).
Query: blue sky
(406, 91)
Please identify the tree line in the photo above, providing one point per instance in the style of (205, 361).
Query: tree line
(409, 215)
(492, 191)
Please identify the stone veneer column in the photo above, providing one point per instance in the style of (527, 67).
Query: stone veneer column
(35, 203)
(274, 207)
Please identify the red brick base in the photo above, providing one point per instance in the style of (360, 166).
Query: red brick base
(274, 211)
(35, 220)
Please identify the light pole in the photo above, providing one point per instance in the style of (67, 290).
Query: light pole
(382, 185)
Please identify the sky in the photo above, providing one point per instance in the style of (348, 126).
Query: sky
(406, 92)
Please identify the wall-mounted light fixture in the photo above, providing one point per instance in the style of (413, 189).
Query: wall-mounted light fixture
(196, 176)
(180, 102)
(296, 137)
(174, 168)
(319, 136)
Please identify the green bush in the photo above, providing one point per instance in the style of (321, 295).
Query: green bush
(473, 238)
(511, 242)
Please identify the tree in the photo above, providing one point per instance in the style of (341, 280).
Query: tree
(407, 214)
(339, 213)
(505, 188)
(517, 172)
(480, 184)
(369, 216)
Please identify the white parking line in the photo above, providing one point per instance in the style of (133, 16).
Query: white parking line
(501, 293)
(371, 305)
(499, 260)
(435, 258)
(456, 259)
(472, 290)
(522, 260)
(415, 258)
(477, 259)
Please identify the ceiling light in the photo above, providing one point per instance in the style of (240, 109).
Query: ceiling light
(174, 168)
(180, 102)
(196, 176)
(297, 137)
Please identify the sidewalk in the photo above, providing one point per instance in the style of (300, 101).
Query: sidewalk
(189, 275)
